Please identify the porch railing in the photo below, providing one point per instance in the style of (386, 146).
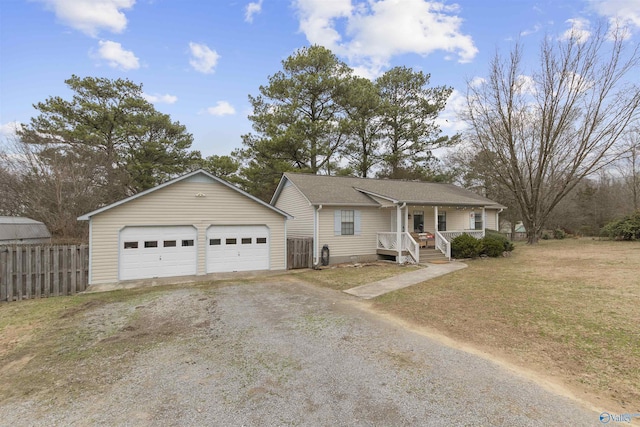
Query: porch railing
(450, 235)
(444, 238)
(443, 245)
(389, 241)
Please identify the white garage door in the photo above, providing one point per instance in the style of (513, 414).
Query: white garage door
(148, 252)
(237, 248)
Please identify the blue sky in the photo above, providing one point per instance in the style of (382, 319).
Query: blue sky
(199, 59)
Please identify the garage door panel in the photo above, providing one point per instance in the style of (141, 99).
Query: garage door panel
(150, 252)
(237, 248)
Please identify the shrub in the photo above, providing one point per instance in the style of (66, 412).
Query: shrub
(507, 244)
(626, 228)
(465, 246)
(492, 246)
(559, 234)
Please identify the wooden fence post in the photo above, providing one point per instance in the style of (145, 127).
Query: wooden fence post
(47, 270)
(10, 253)
(38, 256)
(3, 274)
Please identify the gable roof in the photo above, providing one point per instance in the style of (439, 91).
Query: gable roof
(336, 190)
(19, 228)
(88, 216)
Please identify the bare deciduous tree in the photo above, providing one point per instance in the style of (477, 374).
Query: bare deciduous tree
(629, 165)
(550, 128)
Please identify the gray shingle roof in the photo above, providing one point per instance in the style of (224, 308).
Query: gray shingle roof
(334, 190)
(20, 228)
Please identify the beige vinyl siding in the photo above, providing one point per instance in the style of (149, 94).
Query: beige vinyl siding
(372, 221)
(429, 217)
(459, 219)
(456, 219)
(491, 216)
(294, 203)
(177, 204)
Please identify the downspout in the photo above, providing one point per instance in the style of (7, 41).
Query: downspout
(484, 226)
(90, 279)
(398, 230)
(316, 234)
(498, 219)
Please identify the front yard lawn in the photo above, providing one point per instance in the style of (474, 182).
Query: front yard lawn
(567, 308)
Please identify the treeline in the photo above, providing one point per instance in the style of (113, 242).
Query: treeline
(317, 116)
(107, 142)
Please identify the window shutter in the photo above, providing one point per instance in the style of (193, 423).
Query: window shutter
(337, 222)
(356, 223)
(472, 221)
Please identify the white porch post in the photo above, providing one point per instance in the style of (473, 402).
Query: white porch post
(484, 226)
(435, 218)
(406, 220)
(398, 232)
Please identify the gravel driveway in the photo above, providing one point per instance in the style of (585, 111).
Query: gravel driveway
(280, 354)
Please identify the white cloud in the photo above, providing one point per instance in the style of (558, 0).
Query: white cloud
(625, 12)
(448, 118)
(160, 99)
(116, 56)
(477, 81)
(91, 16)
(579, 30)
(252, 9)
(376, 30)
(8, 130)
(530, 31)
(222, 108)
(526, 85)
(203, 59)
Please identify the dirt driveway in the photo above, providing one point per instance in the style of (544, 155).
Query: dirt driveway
(278, 353)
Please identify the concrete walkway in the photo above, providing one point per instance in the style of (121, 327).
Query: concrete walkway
(372, 290)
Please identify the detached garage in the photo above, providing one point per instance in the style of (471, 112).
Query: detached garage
(193, 225)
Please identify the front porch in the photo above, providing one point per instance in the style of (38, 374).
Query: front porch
(410, 250)
(416, 226)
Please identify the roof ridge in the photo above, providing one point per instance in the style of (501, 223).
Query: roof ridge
(368, 178)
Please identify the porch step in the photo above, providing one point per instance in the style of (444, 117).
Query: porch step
(429, 255)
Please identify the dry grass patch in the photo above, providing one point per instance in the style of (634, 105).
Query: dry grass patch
(347, 276)
(60, 347)
(568, 308)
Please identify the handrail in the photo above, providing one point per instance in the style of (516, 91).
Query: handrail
(412, 246)
(443, 245)
(388, 240)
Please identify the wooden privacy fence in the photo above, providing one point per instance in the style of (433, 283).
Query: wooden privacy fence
(299, 252)
(42, 271)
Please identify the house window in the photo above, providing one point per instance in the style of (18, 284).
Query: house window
(230, 241)
(169, 244)
(261, 240)
(442, 221)
(246, 240)
(131, 245)
(187, 242)
(478, 221)
(214, 242)
(347, 223)
(151, 244)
